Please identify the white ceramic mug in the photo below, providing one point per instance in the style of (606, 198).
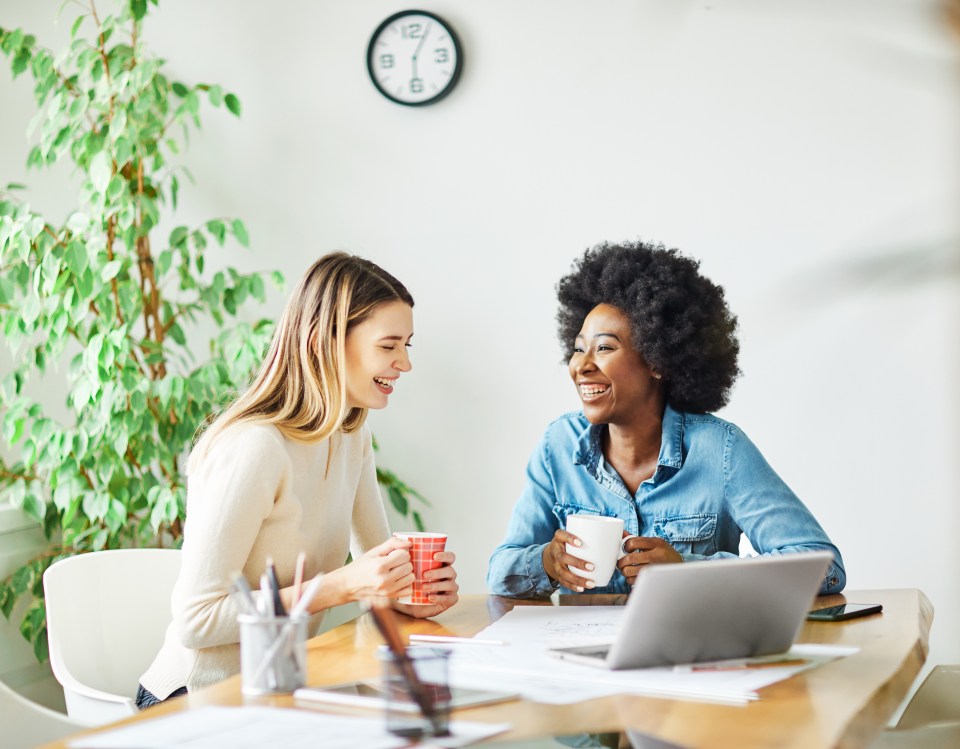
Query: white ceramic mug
(602, 539)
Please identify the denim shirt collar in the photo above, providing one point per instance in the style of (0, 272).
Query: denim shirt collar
(589, 450)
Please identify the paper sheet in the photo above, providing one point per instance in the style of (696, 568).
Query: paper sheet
(525, 664)
(259, 727)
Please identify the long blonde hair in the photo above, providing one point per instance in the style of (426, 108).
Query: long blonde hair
(301, 386)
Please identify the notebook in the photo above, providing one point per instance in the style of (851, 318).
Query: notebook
(711, 610)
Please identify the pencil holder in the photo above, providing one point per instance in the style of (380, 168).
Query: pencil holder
(273, 653)
(403, 712)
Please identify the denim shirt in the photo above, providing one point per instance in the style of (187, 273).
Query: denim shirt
(711, 483)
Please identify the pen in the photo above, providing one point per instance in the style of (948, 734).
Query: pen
(265, 602)
(452, 639)
(242, 588)
(309, 592)
(383, 617)
(748, 666)
(278, 609)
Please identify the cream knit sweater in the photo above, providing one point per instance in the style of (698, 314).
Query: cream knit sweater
(258, 494)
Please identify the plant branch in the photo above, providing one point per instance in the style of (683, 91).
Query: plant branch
(103, 57)
(52, 233)
(5, 474)
(148, 282)
(111, 234)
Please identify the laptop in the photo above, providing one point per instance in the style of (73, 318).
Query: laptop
(711, 610)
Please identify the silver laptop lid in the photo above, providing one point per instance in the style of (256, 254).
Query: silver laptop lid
(704, 611)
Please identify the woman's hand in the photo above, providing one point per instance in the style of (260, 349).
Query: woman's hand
(383, 572)
(557, 562)
(645, 550)
(440, 584)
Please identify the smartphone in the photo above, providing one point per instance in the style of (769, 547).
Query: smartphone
(844, 611)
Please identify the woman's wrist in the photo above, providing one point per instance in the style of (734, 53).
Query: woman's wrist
(329, 594)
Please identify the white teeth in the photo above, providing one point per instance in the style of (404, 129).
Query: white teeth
(592, 390)
(381, 381)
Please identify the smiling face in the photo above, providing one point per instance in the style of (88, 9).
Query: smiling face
(614, 382)
(376, 351)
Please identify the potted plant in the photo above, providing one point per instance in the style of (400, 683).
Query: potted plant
(111, 305)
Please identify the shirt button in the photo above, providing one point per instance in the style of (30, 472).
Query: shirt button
(834, 580)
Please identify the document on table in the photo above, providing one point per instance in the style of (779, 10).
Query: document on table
(259, 727)
(531, 630)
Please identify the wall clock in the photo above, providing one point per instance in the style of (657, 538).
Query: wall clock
(414, 58)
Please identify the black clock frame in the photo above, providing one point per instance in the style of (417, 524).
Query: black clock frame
(456, 46)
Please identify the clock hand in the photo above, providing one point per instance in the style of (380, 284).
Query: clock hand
(426, 33)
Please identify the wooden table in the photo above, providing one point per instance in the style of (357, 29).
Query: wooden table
(844, 703)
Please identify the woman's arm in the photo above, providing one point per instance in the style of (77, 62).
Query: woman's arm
(769, 513)
(385, 570)
(516, 565)
(232, 492)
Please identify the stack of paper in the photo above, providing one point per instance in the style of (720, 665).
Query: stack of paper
(259, 727)
(525, 664)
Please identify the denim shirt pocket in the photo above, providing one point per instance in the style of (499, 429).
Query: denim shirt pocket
(566, 509)
(689, 534)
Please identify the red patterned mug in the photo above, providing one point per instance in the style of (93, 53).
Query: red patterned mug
(425, 545)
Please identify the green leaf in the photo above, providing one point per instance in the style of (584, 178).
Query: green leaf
(164, 261)
(101, 169)
(34, 507)
(22, 580)
(76, 26)
(41, 647)
(179, 89)
(31, 310)
(218, 229)
(233, 103)
(115, 188)
(215, 94)
(7, 600)
(78, 220)
(20, 62)
(399, 502)
(111, 270)
(138, 8)
(96, 504)
(178, 236)
(122, 151)
(176, 333)
(240, 232)
(76, 257)
(257, 288)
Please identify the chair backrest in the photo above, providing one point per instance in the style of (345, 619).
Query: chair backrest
(107, 612)
(936, 701)
(27, 724)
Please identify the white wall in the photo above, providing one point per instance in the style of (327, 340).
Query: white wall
(806, 151)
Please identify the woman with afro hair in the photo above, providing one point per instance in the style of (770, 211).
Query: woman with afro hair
(652, 350)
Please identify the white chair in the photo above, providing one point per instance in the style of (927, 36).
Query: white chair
(107, 612)
(27, 724)
(932, 718)
(936, 701)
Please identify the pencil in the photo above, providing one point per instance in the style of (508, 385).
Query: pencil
(786, 663)
(298, 577)
(453, 640)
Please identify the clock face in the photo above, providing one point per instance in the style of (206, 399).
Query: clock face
(414, 58)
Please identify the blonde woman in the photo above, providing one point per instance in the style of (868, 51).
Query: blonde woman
(289, 467)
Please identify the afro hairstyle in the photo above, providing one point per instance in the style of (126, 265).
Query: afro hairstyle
(679, 320)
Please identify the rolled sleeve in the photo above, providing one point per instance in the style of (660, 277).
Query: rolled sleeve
(769, 513)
